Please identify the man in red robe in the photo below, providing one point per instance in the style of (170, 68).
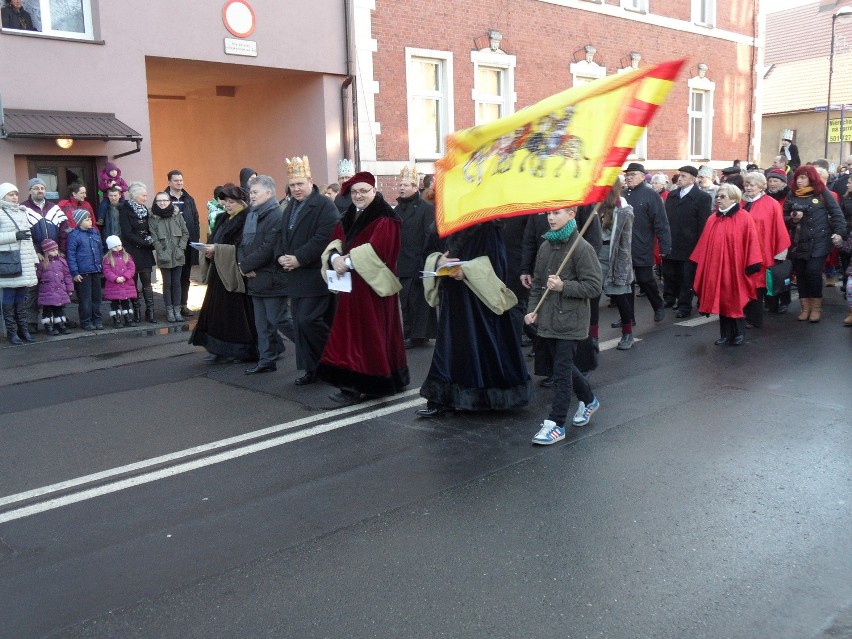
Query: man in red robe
(727, 254)
(365, 355)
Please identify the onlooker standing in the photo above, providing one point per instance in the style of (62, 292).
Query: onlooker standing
(186, 205)
(687, 209)
(309, 221)
(649, 220)
(109, 177)
(55, 285)
(108, 213)
(85, 255)
(76, 200)
(345, 170)
(134, 219)
(265, 280)
(170, 235)
(14, 16)
(120, 288)
(15, 235)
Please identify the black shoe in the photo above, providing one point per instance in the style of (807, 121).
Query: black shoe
(414, 342)
(435, 410)
(308, 378)
(547, 382)
(721, 341)
(87, 326)
(184, 310)
(261, 368)
(670, 304)
(345, 398)
(738, 340)
(660, 314)
(617, 323)
(682, 314)
(782, 308)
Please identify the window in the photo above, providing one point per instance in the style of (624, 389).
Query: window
(700, 113)
(704, 12)
(635, 5)
(62, 18)
(430, 102)
(587, 70)
(494, 85)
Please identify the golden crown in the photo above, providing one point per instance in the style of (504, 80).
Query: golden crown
(409, 175)
(298, 167)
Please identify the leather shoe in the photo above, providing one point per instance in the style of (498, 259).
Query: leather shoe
(345, 398)
(738, 340)
(308, 378)
(547, 382)
(433, 411)
(682, 314)
(660, 314)
(720, 341)
(261, 368)
(617, 324)
(186, 312)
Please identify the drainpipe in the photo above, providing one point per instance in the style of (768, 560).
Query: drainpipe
(349, 83)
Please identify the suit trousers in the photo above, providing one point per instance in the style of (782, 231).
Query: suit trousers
(678, 279)
(269, 312)
(311, 325)
(647, 284)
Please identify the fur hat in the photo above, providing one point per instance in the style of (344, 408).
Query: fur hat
(6, 188)
(635, 166)
(79, 215)
(363, 176)
(233, 192)
(689, 169)
(34, 181)
(49, 245)
(705, 171)
(777, 173)
(112, 241)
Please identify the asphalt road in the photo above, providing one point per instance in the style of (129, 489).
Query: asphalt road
(144, 493)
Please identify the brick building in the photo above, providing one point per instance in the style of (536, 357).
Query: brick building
(423, 72)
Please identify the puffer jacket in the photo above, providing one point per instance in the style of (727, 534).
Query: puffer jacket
(84, 251)
(170, 238)
(54, 282)
(565, 315)
(29, 258)
(822, 217)
(618, 251)
(124, 267)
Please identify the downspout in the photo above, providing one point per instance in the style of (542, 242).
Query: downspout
(349, 83)
(754, 33)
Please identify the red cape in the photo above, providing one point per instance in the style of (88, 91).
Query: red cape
(768, 217)
(726, 247)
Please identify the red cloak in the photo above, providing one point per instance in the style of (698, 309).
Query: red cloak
(768, 217)
(728, 245)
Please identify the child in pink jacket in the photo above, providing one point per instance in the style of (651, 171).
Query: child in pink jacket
(120, 286)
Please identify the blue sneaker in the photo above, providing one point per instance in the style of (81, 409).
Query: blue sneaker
(549, 433)
(584, 413)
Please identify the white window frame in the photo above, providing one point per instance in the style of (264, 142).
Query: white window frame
(702, 85)
(446, 115)
(506, 64)
(586, 72)
(640, 151)
(639, 6)
(43, 18)
(704, 12)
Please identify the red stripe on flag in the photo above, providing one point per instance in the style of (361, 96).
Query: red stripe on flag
(639, 112)
(597, 194)
(667, 70)
(616, 156)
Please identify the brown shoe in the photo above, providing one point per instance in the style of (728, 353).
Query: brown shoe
(806, 309)
(816, 310)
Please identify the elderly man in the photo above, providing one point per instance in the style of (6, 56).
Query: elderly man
(345, 170)
(266, 283)
(186, 205)
(687, 209)
(309, 220)
(649, 220)
(365, 356)
(418, 218)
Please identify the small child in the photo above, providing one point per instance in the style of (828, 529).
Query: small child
(110, 176)
(120, 287)
(84, 260)
(564, 318)
(54, 287)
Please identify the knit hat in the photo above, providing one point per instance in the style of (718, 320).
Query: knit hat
(34, 181)
(79, 215)
(776, 173)
(635, 166)
(689, 169)
(112, 241)
(6, 188)
(705, 171)
(49, 245)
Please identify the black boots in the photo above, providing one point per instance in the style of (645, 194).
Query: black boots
(148, 294)
(11, 325)
(23, 327)
(137, 312)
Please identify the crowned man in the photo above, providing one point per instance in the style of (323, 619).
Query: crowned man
(418, 220)
(345, 170)
(309, 220)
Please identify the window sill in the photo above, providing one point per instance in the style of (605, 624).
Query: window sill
(45, 36)
(706, 25)
(634, 10)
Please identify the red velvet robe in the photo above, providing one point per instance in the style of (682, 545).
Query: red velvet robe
(771, 231)
(728, 245)
(365, 350)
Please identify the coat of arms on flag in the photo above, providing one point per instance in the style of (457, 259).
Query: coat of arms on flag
(562, 151)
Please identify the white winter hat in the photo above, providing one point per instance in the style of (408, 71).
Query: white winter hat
(112, 241)
(6, 188)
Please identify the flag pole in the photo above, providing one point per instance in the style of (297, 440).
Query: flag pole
(569, 254)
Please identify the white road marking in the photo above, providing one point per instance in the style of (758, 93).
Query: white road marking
(698, 321)
(612, 343)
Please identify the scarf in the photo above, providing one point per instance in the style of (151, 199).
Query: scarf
(139, 209)
(163, 212)
(805, 191)
(554, 237)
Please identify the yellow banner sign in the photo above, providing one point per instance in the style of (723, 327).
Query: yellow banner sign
(834, 130)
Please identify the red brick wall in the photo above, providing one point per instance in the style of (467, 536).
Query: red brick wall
(545, 37)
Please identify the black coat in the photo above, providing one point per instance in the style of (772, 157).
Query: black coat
(649, 220)
(822, 218)
(12, 19)
(308, 238)
(418, 220)
(687, 217)
(257, 252)
(193, 224)
(136, 236)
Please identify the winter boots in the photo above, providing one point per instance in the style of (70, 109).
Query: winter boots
(178, 314)
(116, 318)
(806, 309)
(137, 312)
(148, 294)
(170, 314)
(816, 310)
(11, 325)
(49, 328)
(23, 327)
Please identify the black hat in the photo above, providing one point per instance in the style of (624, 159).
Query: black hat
(233, 192)
(689, 169)
(731, 170)
(635, 166)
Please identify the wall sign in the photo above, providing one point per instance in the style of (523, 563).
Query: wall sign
(238, 17)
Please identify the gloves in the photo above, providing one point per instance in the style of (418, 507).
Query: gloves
(23, 235)
(751, 270)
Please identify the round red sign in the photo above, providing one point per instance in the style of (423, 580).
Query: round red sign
(238, 17)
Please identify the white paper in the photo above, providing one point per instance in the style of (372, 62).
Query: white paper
(340, 283)
(198, 246)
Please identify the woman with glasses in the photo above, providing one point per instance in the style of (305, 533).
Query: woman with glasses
(726, 256)
(170, 233)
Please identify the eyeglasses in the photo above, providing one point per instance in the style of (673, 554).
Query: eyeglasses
(162, 201)
(361, 191)
(634, 174)
(722, 197)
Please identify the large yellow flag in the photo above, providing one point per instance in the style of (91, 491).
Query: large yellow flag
(563, 151)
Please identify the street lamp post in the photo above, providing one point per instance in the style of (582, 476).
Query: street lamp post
(842, 12)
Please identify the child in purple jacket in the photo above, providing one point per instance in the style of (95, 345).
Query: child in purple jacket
(54, 287)
(120, 287)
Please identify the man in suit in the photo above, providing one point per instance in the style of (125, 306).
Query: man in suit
(309, 220)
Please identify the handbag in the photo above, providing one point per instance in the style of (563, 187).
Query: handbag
(10, 260)
(778, 278)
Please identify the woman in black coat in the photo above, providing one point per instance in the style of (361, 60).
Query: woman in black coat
(133, 216)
